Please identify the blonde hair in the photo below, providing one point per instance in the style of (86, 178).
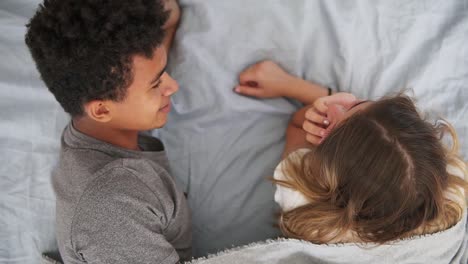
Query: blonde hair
(381, 175)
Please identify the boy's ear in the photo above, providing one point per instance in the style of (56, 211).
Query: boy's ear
(98, 110)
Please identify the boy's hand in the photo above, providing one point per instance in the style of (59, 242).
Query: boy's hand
(265, 79)
(318, 122)
(174, 16)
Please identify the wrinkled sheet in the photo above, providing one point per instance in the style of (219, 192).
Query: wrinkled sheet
(222, 146)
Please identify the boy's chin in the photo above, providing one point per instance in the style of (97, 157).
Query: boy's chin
(159, 124)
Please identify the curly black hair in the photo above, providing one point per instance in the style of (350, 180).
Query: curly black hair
(83, 49)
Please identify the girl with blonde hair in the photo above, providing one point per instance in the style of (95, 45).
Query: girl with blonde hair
(360, 171)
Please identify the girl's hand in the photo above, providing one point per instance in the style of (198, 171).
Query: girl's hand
(265, 79)
(318, 120)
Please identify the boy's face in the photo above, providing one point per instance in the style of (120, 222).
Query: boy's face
(147, 102)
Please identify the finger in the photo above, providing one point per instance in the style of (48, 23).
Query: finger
(344, 99)
(249, 91)
(247, 77)
(252, 83)
(313, 139)
(314, 116)
(313, 129)
(320, 105)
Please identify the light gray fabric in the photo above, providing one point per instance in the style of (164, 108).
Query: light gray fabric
(31, 123)
(222, 146)
(448, 246)
(118, 206)
(226, 145)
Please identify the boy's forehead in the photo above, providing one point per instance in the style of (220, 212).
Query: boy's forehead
(159, 56)
(145, 69)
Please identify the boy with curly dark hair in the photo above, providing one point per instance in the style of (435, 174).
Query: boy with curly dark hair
(105, 62)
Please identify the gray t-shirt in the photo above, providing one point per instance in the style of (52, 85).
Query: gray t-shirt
(118, 206)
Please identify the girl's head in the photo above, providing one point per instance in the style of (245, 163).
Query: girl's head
(381, 174)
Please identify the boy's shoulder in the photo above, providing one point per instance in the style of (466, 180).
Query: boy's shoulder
(88, 165)
(134, 171)
(84, 157)
(125, 179)
(122, 185)
(85, 169)
(89, 169)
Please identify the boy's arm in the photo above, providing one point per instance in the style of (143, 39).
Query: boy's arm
(172, 22)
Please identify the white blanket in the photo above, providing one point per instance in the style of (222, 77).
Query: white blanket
(449, 246)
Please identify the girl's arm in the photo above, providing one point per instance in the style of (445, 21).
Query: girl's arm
(267, 79)
(307, 126)
(296, 136)
(305, 92)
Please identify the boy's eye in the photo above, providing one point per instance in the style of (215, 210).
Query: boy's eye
(157, 85)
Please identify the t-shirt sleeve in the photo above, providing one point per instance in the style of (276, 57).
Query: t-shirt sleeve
(287, 198)
(120, 220)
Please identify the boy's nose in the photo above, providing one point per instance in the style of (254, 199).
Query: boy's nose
(172, 86)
